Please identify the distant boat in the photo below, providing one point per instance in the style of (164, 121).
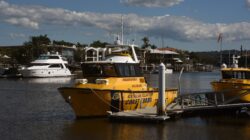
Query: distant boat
(154, 70)
(9, 73)
(167, 71)
(234, 83)
(47, 65)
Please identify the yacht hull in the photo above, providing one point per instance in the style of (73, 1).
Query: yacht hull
(45, 72)
(88, 102)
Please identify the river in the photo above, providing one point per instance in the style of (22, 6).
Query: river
(33, 109)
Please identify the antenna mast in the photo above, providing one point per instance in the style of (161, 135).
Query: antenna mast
(122, 30)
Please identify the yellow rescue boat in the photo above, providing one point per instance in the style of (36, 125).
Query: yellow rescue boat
(115, 84)
(234, 84)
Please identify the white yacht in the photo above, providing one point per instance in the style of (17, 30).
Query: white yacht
(47, 65)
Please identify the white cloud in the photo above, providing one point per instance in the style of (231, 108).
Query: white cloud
(17, 35)
(248, 3)
(23, 22)
(151, 3)
(172, 27)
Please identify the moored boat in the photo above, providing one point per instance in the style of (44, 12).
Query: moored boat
(112, 85)
(47, 65)
(234, 83)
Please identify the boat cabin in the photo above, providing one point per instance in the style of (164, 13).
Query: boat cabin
(236, 74)
(111, 70)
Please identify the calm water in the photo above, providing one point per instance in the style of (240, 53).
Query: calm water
(32, 109)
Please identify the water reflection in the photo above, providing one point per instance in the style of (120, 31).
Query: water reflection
(51, 80)
(195, 128)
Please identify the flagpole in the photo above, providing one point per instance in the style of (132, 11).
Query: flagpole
(221, 52)
(219, 40)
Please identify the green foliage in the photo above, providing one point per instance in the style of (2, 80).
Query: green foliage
(146, 44)
(40, 40)
(79, 45)
(98, 43)
(205, 57)
(62, 42)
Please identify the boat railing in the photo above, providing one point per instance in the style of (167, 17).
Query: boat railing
(204, 100)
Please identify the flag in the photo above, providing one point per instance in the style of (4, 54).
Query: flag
(219, 39)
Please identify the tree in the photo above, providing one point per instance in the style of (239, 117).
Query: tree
(79, 45)
(98, 43)
(62, 42)
(40, 40)
(153, 46)
(35, 46)
(145, 42)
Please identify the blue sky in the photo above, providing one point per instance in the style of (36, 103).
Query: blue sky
(192, 25)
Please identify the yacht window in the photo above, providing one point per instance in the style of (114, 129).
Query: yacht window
(38, 64)
(43, 57)
(64, 59)
(53, 57)
(55, 66)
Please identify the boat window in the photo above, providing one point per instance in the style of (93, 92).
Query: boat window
(43, 57)
(132, 70)
(109, 70)
(55, 66)
(91, 70)
(243, 75)
(128, 70)
(38, 64)
(64, 59)
(123, 69)
(247, 75)
(227, 75)
(236, 75)
(53, 57)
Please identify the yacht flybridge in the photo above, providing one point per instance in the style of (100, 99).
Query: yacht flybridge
(47, 65)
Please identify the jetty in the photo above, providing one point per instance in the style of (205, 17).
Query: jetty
(203, 103)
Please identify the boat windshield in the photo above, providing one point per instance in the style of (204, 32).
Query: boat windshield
(38, 64)
(235, 74)
(45, 57)
(111, 70)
